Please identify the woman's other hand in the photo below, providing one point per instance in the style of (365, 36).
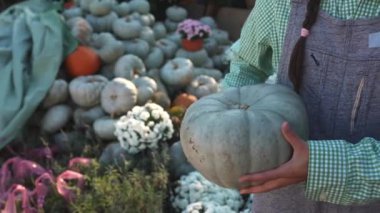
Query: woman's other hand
(292, 172)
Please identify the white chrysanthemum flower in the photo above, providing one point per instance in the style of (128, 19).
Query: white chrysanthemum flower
(143, 127)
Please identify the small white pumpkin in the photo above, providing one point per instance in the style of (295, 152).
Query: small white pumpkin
(104, 128)
(80, 29)
(171, 26)
(155, 74)
(175, 37)
(214, 73)
(101, 7)
(84, 116)
(122, 9)
(126, 28)
(137, 47)
(140, 6)
(221, 36)
(72, 12)
(177, 72)
(146, 87)
(108, 48)
(159, 30)
(147, 19)
(168, 47)
(208, 64)
(85, 90)
(103, 23)
(202, 85)
(58, 93)
(176, 13)
(56, 118)
(220, 61)
(129, 67)
(155, 59)
(198, 58)
(147, 34)
(84, 4)
(211, 46)
(210, 21)
(107, 71)
(118, 96)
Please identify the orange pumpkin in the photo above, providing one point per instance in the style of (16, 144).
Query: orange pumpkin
(83, 61)
(184, 100)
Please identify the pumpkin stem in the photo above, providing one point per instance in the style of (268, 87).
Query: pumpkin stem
(243, 106)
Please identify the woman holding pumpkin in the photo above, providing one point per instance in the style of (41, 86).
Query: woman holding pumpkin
(334, 66)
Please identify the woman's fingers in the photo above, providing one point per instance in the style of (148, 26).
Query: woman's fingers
(271, 185)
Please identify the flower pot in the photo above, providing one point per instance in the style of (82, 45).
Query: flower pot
(192, 45)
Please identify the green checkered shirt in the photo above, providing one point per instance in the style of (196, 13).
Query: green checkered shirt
(339, 172)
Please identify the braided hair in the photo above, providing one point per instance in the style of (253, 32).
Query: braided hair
(295, 71)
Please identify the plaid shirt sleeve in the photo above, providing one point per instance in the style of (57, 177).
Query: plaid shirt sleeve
(344, 173)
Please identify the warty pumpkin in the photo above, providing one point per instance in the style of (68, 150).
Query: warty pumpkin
(238, 131)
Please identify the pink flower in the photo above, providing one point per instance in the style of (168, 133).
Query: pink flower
(192, 29)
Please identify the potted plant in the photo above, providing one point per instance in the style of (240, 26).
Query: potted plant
(193, 32)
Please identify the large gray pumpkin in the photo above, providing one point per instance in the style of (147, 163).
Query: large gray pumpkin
(238, 131)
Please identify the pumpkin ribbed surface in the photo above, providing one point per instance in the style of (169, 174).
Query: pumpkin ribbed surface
(238, 131)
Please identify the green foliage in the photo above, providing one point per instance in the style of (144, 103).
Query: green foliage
(135, 187)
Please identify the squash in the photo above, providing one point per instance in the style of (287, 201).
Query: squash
(58, 93)
(80, 29)
(85, 90)
(211, 46)
(176, 13)
(147, 34)
(68, 142)
(140, 6)
(155, 59)
(202, 85)
(118, 96)
(162, 98)
(107, 71)
(220, 61)
(147, 19)
(171, 26)
(102, 23)
(178, 164)
(129, 67)
(198, 57)
(101, 7)
(146, 87)
(209, 64)
(175, 37)
(177, 72)
(210, 21)
(104, 128)
(184, 100)
(82, 61)
(137, 47)
(126, 28)
(72, 12)
(114, 155)
(108, 48)
(56, 118)
(221, 36)
(237, 131)
(84, 116)
(159, 30)
(168, 47)
(122, 9)
(214, 73)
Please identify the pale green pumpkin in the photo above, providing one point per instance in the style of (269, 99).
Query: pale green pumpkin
(238, 131)
(176, 13)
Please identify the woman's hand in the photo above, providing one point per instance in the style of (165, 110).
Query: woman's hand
(292, 172)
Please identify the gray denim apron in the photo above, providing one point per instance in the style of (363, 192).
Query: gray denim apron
(341, 91)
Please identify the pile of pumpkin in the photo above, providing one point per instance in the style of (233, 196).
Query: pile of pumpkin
(125, 59)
